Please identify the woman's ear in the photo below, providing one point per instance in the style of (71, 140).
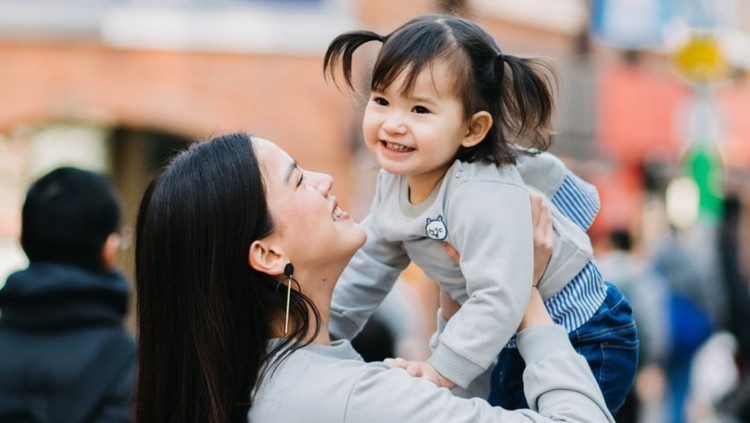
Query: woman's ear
(264, 258)
(479, 124)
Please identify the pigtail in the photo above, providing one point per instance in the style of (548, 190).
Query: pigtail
(527, 99)
(342, 48)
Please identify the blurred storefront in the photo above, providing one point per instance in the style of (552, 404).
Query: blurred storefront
(674, 90)
(133, 76)
(119, 85)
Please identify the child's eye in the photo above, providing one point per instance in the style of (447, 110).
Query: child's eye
(380, 101)
(301, 178)
(420, 109)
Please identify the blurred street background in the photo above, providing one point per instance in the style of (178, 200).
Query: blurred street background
(653, 107)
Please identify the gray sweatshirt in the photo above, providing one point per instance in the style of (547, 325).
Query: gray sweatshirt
(484, 212)
(331, 384)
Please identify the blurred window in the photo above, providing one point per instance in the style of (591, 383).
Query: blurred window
(245, 26)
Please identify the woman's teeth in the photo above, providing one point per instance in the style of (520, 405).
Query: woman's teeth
(336, 215)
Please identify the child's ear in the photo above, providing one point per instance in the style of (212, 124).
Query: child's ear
(478, 126)
(264, 257)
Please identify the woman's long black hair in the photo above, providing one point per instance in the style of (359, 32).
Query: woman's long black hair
(204, 315)
(517, 92)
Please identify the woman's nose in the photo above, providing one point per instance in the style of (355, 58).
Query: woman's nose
(322, 182)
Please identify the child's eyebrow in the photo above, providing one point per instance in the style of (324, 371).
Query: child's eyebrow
(419, 99)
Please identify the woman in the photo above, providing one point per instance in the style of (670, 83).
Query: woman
(238, 250)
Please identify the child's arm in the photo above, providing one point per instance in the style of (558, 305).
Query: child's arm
(543, 240)
(543, 234)
(364, 284)
(494, 238)
(575, 204)
(575, 198)
(367, 279)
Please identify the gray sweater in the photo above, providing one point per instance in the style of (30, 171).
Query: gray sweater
(331, 384)
(484, 212)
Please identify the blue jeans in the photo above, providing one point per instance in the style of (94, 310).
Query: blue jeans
(608, 341)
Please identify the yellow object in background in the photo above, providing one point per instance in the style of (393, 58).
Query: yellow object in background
(701, 60)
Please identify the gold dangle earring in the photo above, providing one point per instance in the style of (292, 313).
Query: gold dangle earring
(289, 273)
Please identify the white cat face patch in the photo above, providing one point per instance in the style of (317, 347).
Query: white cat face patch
(436, 228)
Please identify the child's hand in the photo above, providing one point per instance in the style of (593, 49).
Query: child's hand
(421, 369)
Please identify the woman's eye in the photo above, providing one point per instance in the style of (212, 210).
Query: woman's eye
(420, 109)
(380, 101)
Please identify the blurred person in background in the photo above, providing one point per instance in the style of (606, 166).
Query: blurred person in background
(732, 231)
(670, 305)
(65, 356)
(690, 323)
(648, 293)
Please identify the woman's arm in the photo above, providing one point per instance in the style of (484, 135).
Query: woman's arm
(557, 380)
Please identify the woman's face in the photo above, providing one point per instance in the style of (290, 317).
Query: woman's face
(308, 222)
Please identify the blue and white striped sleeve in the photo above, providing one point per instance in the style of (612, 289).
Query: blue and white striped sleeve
(577, 199)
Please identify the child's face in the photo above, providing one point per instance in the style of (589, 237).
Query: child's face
(417, 135)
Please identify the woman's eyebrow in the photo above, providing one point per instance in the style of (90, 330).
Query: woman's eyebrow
(289, 171)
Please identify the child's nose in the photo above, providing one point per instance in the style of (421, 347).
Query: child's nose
(394, 123)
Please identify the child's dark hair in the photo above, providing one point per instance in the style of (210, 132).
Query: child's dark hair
(67, 217)
(516, 91)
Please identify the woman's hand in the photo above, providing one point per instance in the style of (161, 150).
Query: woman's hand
(541, 224)
(448, 305)
(536, 314)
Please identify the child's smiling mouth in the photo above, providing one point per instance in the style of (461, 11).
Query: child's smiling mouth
(396, 147)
